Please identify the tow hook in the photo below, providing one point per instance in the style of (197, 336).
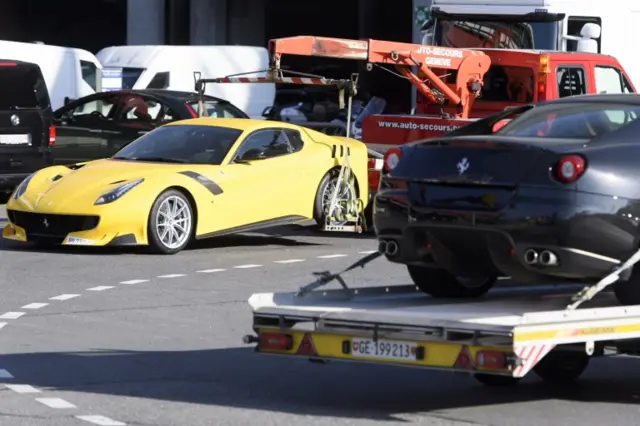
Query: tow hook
(249, 338)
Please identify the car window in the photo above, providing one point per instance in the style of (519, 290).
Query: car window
(571, 120)
(159, 81)
(140, 111)
(89, 73)
(22, 87)
(194, 144)
(571, 81)
(271, 142)
(508, 84)
(98, 108)
(217, 110)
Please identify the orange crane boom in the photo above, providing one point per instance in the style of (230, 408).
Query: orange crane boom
(468, 65)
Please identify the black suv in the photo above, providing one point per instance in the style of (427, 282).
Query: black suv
(27, 132)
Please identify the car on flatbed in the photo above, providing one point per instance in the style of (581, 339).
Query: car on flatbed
(552, 196)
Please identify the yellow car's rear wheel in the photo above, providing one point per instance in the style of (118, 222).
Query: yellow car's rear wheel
(323, 198)
(171, 223)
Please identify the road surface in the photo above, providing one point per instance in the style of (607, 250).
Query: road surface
(112, 337)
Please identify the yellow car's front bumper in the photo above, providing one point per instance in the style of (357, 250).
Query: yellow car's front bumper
(112, 230)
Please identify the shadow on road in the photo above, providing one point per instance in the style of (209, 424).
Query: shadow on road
(230, 241)
(242, 379)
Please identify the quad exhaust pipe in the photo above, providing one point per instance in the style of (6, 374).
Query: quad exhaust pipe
(390, 248)
(544, 258)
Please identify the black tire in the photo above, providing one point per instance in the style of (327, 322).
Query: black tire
(442, 284)
(562, 367)
(318, 208)
(496, 380)
(155, 243)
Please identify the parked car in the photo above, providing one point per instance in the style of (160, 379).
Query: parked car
(551, 197)
(99, 125)
(26, 122)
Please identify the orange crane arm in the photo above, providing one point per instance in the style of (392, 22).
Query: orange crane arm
(470, 65)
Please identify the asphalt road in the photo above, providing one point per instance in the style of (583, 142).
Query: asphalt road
(115, 337)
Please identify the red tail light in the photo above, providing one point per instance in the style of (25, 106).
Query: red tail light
(392, 158)
(8, 64)
(275, 342)
(52, 135)
(491, 359)
(570, 168)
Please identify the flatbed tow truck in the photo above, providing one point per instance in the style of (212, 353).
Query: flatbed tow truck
(551, 330)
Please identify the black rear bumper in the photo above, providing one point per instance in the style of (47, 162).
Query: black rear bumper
(589, 234)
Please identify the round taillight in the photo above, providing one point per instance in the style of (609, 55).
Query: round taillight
(570, 168)
(391, 159)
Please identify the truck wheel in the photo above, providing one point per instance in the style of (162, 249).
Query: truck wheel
(496, 380)
(559, 367)
(442, 284)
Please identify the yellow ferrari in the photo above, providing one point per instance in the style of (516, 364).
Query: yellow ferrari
(194, 178)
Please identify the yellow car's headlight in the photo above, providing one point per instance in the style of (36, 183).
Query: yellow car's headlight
(115, 194)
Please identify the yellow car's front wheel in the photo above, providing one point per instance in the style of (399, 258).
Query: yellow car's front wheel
(171, 223)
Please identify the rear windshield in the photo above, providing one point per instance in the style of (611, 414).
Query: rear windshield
(217, 110)
(576, 120)
(22, 87)
(508, 84)
(187, 144)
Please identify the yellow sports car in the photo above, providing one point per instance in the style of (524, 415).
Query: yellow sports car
(194, 178)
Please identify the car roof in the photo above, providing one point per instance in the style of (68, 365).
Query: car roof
(235, 123)
(604, 98)
(166, 94)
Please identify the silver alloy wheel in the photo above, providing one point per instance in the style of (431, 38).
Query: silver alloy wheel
(342, 200)
(173, 222)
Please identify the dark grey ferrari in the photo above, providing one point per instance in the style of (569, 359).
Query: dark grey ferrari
(552, 196)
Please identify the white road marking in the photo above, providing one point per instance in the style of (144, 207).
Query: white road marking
(101, 420)
(4, 374)
(172, 276)
(55, 403)
(247, 266)
(23, 388)
(2, 324)
(12, 315)
(367, 252)
(289, 261)
(210, 271)
(130, 282)
(34, 306)
(101, 288)
(64, 297)
(331, 256)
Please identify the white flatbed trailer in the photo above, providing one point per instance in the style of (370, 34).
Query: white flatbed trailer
(498, 339)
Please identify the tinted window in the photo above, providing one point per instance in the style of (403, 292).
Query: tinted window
(22, 87)
(572, 121)
(271, 142)
(89, 73)
(508, 84)
(159, 81)
(130, 76)
(183, 143)
(217, 110)
(571, 81)
(496, 34)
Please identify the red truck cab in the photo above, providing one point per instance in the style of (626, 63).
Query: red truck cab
(515, 77)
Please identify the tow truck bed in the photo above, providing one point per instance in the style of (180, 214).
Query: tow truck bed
(506, 333)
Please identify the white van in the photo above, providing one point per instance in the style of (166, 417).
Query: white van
(173, 67)
(68, 72)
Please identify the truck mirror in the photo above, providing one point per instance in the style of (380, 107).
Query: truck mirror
(587, 45)
(590, 30)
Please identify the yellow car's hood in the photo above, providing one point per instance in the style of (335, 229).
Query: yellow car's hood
(79, 189)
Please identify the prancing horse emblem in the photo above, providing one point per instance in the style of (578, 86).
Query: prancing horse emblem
(462, 166)
(45, 223)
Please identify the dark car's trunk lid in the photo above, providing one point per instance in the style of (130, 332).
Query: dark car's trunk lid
(474, 172)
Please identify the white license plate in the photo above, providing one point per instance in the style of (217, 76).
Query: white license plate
(383, 349)
(15, 139)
